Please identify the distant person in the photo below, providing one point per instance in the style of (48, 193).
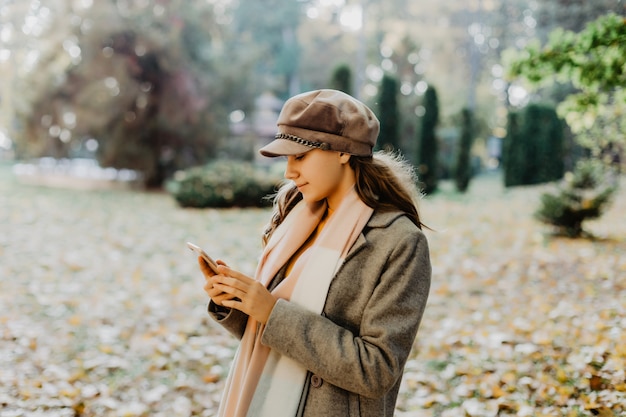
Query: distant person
(328, 321)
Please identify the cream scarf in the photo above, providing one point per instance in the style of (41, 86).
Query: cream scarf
(261, 382)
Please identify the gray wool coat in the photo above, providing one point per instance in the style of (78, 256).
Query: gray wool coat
(356, 349)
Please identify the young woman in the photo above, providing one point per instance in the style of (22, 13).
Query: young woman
(328, 320)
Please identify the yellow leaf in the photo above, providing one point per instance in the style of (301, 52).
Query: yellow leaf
(68, 393)
(75, 320)
(497, 392)
(604, 412)
(211, 378)
(77, 376)
(137, 275)
(561, 375)
(565, 390)
(443, 290)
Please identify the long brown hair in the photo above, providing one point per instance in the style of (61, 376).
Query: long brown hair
(385, 181)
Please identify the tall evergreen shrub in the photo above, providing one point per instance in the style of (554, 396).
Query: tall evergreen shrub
(428, 152)
(342, 79)
(463, 169)
(543, 131)
(534, 146)
(513, 153)
(388, 114)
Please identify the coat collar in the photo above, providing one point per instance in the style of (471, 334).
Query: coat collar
(383, 219)
(378, 220)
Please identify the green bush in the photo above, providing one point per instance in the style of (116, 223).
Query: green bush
(534, 151)
(583, 194)
(223, 184)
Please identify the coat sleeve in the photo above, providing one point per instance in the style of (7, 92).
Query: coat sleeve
(370, 360)
(232, 320)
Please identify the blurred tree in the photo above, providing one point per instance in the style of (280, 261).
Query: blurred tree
(481, 30)
(342, 79)
(534, 147)
(157, 112)
(513, 152)
(400, 59)
(388, 114)
(463, 168)
(230, 52)
(39, 55)
(594, 61)
(427, 162)
(146, 84)
(542, 131)
(268, 30)
(572, 15)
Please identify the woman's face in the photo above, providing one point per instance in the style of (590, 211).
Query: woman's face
(321, 175)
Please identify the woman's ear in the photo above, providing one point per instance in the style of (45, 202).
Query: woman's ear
(344, 158)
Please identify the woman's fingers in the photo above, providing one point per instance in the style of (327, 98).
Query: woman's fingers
(231, 273)
(233, 289)
(248, 295)
(215, 293)
(204, 267)
(231, 281)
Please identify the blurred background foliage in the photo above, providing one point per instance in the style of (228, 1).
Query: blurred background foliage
(223, 183)
(163, 85)
(592, 64)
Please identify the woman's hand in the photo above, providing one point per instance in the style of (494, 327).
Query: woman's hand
(236, 290)
(217, 296)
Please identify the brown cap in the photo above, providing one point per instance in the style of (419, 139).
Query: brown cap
(324, 119)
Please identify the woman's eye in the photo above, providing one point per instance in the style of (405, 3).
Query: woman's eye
(299, 157)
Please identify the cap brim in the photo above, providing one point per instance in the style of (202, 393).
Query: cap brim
(283, 147)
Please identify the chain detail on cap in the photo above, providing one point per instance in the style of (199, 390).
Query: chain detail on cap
(318, 145)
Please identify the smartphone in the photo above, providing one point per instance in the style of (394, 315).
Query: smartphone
(198, 250)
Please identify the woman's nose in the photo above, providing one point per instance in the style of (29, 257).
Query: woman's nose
(290, 172)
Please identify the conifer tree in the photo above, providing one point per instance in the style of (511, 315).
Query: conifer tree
(513, 152)
(533, 147)
(342, 79)
(583, 195)
(543, 133)
(427, 162)
(388, 114)
(463, 169)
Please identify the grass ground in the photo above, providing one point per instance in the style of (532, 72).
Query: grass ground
(102, 311)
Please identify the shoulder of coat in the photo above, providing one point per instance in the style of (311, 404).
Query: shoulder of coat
(387, 218)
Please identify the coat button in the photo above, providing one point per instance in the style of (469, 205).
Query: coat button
(316, 381)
